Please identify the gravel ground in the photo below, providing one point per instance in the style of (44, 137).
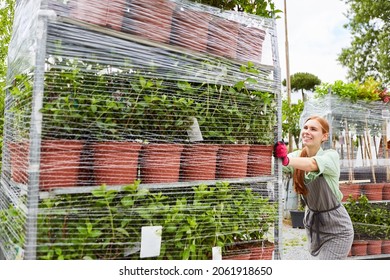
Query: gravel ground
(294, 242)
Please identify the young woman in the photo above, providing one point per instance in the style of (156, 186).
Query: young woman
(316, 175)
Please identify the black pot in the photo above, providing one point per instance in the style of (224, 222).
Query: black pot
(297, 218)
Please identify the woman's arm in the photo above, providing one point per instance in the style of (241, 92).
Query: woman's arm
(303, 163)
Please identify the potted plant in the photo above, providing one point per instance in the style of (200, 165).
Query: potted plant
(56, 170)
(193, 222)
(260, 216)
(236, 117)
(105, 13)
(84, 102)
(298, 215)
(190, 27)
(241, 40)
(149, 19)
(370, 224)
(164, 123)
(260, 120)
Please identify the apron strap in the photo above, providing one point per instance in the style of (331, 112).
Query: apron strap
(316, 219)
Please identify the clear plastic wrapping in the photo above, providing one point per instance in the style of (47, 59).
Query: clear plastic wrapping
(360, 134)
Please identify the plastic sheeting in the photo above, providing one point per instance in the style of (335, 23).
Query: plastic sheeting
(360, 134)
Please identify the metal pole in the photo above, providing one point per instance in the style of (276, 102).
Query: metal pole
(35, 136)
(278, 134)
(288, 82)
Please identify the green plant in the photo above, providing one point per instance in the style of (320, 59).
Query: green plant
(12, 223)
(265, 8)
(88, 101)
(238, 113)
(355, 91)
(20, 94)
(165, 110)
(290, 119)
(369, 220)
(106, 224)
(303, 81)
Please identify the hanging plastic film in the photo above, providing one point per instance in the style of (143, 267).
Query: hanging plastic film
(123, 115)
(360, 134)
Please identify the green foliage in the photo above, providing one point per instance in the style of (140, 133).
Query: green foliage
(6, 19)
(7, 8)
(81, 102)
(290, 119)
(303, 81)
(106, 224)
(238, 113)
(369, 220)
(368, 53)
(264, 8)
(12, 236)
(369, 90)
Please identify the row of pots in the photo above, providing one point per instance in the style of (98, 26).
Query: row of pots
(74, 163)
(373, 191)
(251, 251)
(370, 247)
(168, 22)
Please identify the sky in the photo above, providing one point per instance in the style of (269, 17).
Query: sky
(316, 37)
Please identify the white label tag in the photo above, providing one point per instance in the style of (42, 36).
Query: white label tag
(217, 253)
(150, 241)
(194, 132)
(19, 253)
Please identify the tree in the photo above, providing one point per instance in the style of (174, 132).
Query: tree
(303, 81)
(290, 120)
(264, 8)
(368, 54)
(6, 19)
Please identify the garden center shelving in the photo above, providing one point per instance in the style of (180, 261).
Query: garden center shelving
(360, 135)
(87, 79)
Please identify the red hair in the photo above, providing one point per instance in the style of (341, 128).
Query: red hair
(299, 175)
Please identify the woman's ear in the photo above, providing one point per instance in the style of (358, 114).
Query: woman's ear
(325, 137)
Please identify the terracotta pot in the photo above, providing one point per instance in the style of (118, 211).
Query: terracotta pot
(149, 19)
(190, 29)
(19, 153)
(250, 44)
(373, 191)
(359, 247)
(107, 13)
(350, 189)
(232, 161)
(237, 254)
(262, 251)
(115, 163)
(199, 162)
(386, 191)
(350, 253)
(374, 247)
(386, 246)
(60, 162)
(222, 39)
(259, 160)
(160, 163)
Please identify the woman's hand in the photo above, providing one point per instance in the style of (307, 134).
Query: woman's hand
(280, 151)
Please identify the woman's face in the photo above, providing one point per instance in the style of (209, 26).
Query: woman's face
(312, 135)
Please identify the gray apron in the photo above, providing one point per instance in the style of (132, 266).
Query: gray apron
(327, 223)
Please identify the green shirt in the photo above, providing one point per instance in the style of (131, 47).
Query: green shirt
(328, 162)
